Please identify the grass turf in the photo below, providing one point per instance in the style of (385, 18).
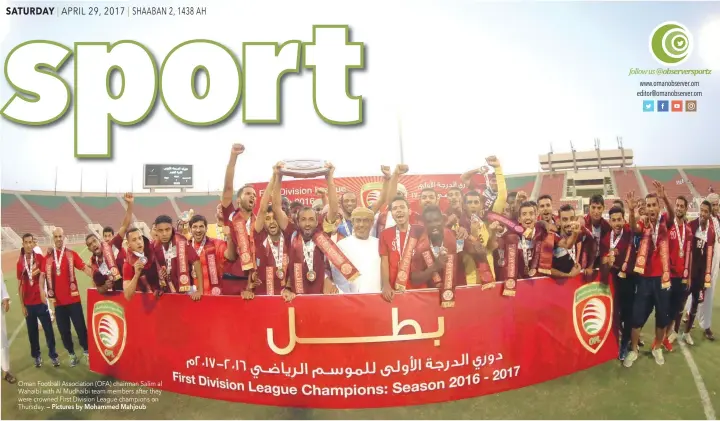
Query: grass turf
(608, 391)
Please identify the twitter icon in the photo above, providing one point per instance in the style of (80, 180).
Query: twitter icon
(648, 106)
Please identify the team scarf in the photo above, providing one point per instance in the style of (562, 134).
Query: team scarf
(244, 241)
(132, 258)
(660, 244)
(50, 273)
(329, 249)
(182, 269)
(108, 257)
(211, 269)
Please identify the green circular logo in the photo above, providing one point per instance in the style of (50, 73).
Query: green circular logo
(671, 43)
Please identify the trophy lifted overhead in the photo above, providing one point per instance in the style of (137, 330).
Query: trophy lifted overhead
(183, 224)
(304, 168)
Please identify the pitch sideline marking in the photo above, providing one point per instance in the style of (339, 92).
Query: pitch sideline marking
(16, 333)
(699, 383)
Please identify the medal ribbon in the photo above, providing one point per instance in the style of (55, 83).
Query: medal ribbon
(397, 240)
(279, 251)
(109, 261)
(49, 275)
(681, 237)
(58, 260)
(309, 254)
(28, 269)
(71, 276)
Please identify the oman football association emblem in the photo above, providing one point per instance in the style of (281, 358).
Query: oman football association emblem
(592, 315)
(370, 193)
(110, 330)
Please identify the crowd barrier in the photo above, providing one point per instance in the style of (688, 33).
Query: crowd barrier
(353, 351)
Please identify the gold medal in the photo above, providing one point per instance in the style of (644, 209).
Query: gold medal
(280, 274)
(311, 275)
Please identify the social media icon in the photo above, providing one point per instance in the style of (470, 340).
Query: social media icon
(691, 106)
(676, 106)
(648, 105)
(663, 106)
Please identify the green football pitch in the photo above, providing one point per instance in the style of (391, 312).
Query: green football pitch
(608, 391)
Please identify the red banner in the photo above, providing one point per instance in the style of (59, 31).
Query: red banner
(353, 351)
(368, 188)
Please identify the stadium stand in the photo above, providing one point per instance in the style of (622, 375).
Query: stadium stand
(106, 211)
(552, 184)
(57, 211)
(16, 216)
(202, 205)
(626, 181)
(704, 179)
(147, 208)
(524, 183)
(670, 178)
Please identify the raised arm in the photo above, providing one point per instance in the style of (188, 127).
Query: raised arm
(280, 215)
(519, 199)
(321, 192)
(660, 191)
(332, 193)
(387, 190)
(631, 204)
(400, 169)
(264, 201)
(570, 241)
(466, 178)
(499, 205)
(228, 192)
(127, 220)
(230, 251)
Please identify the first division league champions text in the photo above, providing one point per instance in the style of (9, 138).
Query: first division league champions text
(316, 381)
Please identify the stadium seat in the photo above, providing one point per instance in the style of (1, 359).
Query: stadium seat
(16, 216)
(205, 205)
(552, 184)
(106, 211)
(670, 178)
(704, 180)
(58, 211)
(147, 208)
(626, 181)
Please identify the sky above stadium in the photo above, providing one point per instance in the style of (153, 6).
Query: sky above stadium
(468, 79)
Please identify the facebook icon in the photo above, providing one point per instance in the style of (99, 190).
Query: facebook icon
(663, 106)
(648, 106)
